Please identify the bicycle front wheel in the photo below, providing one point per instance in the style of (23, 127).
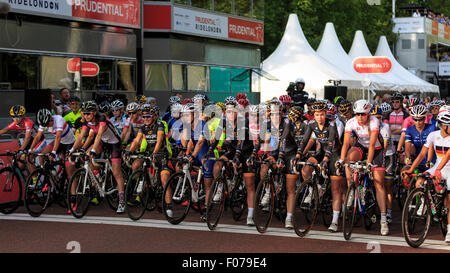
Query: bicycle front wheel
(416, 218)
(178, 191)
(10, 190)
(37, 192)
(264, 205)
(216, 202)
(84, 190)
(305, 207)
(238, 200)
(350, 211)
(137, 195)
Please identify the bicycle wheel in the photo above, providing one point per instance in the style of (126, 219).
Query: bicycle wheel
(372, 212)
(111, 191)
(10, 190)
(84, 190)
(62, 185)
(238, 200)
(37, 192)
(305, 207)
(326, 206)
(350, 211)
(416, 218)
(280, 201)
(216, 202)
(264, 205)
(137, 194)
(178, 190)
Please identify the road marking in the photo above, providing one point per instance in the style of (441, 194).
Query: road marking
(241, 229)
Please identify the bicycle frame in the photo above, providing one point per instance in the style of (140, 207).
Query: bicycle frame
(187, 177)
(99, 185)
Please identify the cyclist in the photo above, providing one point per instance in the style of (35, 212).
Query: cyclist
(119, 118)
(133, 123)
(105, 108)
(386, 109)
(286, 102)
(368, 146)
(390, 159)
(345, 111)
(150, 100)
(440, 142)
(396, 118)
(338, 100)
(74, 117)
(310, 114)
(140, 99)
(175, 125)
(434, 107)
(106, 137)
(168, 114)
(416, 136)
(64, 137)
(326, 133)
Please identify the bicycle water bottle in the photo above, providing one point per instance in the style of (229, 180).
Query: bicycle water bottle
(97, 175)
(416, 171)
(362, 191)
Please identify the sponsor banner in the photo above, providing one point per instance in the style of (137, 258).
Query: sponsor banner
(372, 65)
(112, 12)
(447, 32)
(434, 28)
(409, 25)
(200, 23)
(441, 29)
(88, 69)
(157, 17)
(444, 69)
(245, 30)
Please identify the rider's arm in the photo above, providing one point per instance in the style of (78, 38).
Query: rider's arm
(345, 145)
(4, 131)
(420, 157)
(98, 137)
(444, 161)
(159, 141)
(57, 141)
(136, 142)
(26, 140)
(401, 142)
(79, 139)
(36, 139)
(305, 140)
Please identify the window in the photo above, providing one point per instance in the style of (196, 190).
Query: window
(18, 71)
(178, 77)
(421, 44)
(105, 78)
(126, 75)
(156, 77)
(220, 79)
(240, 80)
(406, 44)
(197, 78)
(59, 72)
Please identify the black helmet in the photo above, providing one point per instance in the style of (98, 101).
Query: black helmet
(43, 117)
(89, 106)
(104, 107)
(397, 96)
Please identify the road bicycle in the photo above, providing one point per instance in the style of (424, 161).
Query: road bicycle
(45, 185)
(12, 181)
(87, 185)
(184, 190)
(360, 199)
(422, 206)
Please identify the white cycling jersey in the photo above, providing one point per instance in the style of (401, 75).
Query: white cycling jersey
(59, 124)
(387, 137)
(441, 145)
(363, 132)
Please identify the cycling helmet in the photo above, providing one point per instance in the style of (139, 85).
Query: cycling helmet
(412, 102)
(295, 113)
(73, 99)
(434, 103)
(17, 111)
(117, 104)
(310, 101)
(230, 100)
(154, 110)
(104, 107)
(150, 100)
(241, 96)
(444, 115)
(331, 109)
(243, 102)
(174, 99)
(299, 80)
(376, 110)
(140, 99)
(186, 101)
(189, 107)
(176, 108)
(362, 106)
(319, 106)
(419, 111)
(385, 107)
(253, 109)
(274, 101)
(145, 108)
(285, 99)
(198, 97)
(221, 105)
(338, 100)
(43, 117)
(397, 96)
(89, 106)
(133, 107)
(345, 107)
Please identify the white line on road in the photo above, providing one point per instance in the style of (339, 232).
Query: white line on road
(197, 226)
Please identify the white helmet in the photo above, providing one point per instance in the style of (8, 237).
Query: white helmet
(117, 104)
(444, 115)
(385, 107)
(133, 106)
(362, 106)
(189, 107)
(419, 110)
(176, 108)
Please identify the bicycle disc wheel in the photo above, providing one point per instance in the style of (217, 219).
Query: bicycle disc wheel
(37, 192)
(416, 218)
(179, 193)
(238, 200)
(264, 205)
(111, 191)
(350, 211)
(372, 212)
(137, 195)
(305, 207)
(443, 221)
(84, 190)
(10, 190)
(216, 202)
(326, 206)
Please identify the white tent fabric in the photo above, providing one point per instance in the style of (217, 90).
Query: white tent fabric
(294, 58)
(416, 82)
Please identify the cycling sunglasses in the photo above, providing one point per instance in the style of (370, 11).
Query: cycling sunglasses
(361, 114)
(87, 113)
(148, 116)
(132, 113)
(418, 119)
(116, 110)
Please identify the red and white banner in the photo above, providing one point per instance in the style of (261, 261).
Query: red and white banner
(372, 65)
(245, 30)
(88, 69)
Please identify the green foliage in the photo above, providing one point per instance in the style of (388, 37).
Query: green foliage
(348, 16)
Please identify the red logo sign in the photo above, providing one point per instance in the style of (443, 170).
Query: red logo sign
(245, 30)
(372, 65)
(89, 69)
(115, 11)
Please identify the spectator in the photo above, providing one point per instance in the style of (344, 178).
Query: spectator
(425, 13)
(441, 19)
(64, 93)
(387, 98)
(435, 98)
(416, 13)
(427, 101)
(377, 100)
(447, 20)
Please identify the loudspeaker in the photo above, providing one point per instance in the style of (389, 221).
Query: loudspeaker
(36, 99)
(444, 87)
(333, 91)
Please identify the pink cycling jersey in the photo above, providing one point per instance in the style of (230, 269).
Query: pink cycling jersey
(410, 122)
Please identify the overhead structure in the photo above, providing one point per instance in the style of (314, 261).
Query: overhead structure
(294, 58)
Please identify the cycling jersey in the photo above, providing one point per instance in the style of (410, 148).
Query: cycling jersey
(362, 133)
(408, 122)
(385, 132)
(119, 123)
(73, 119)
(150, 134)
(396, 119)
(418, 139)
(135, 126)
(293, 135)
(328, 137)
(110, 135)
(441, 146)
(26, 125)
(60, 125)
